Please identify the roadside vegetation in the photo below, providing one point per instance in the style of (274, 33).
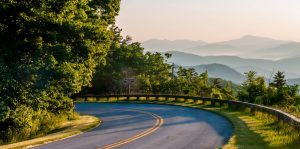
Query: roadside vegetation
(259, 131)
(48, 51)
(276, 93)
(63, 130)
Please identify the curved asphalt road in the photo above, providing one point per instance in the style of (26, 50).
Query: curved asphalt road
(183, 128)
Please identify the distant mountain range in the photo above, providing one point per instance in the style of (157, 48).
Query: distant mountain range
(288, 50)
(246, 47)
(293, 81)
(254, 42)
(226, 73)
(230, 59)
(220, 71)
(264, 67)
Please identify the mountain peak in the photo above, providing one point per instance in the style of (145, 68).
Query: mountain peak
(253, 36)
(254, 42)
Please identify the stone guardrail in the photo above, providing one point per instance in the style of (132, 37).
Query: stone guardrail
(280, 115)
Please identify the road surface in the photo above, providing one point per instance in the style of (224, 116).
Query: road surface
(148, 126)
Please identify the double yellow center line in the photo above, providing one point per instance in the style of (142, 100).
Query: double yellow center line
(159, 122)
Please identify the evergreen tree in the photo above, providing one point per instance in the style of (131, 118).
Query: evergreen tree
(279, 80)
(279, 83)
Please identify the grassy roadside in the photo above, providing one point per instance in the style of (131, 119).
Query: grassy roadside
(259, 131)
(66, 129)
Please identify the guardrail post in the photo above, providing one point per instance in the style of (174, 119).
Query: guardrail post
(203, 101)
(252, 110)
(221, 103)
(213, 102)
(194, 100)
(184, 99)
(127, 98)
(231, 105)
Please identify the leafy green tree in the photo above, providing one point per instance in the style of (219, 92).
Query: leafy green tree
(254, 87)
(124, 55)
(156, 74)
(216, 83)
(291, 93)
(216, 89)
(186, 77)
(127, 59)
(228, 92)
(201, 86)
(48, 50)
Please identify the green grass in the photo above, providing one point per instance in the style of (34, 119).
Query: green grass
(65, 129)
(259, 131)
(292, 109)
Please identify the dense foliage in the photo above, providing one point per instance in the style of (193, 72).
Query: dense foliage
(277, 92)
(48, 50)
(150, 73)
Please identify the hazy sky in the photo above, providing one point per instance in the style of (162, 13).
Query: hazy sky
(209, 20)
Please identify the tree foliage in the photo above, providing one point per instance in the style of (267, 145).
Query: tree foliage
(152, 74)
(254, 87)
(255, 90)
(48, 51)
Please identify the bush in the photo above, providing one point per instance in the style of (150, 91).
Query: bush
(25, 123)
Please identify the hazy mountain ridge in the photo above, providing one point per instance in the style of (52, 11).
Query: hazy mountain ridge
(293, 81)
(287, 50)
(289, 66)
(230, 74)
(247, 47)
(213, 49)
(234, 57)
(254, 42)
(220, 71)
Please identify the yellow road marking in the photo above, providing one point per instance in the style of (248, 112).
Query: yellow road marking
(157, 125)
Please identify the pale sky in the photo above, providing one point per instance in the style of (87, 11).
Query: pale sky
(209, 20)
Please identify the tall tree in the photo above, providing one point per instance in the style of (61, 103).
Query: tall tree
(279, 83)
(156, 73)
(279, 80)
(48, 50)
(253, 87)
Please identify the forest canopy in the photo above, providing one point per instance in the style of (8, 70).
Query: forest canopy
(48, 51)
